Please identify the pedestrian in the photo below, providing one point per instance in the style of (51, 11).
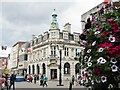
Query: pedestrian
(45, 81)
(12, 81)
(73, 79)
(30, 78)
(26, 77)
(41, 79)
(3, 82)
(35, 78)
(6, 81)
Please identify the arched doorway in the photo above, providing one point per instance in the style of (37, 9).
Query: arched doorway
(77, 68)
(44, 68)
(67, 68)
(38, 69)
(33, 69)
(29, 69)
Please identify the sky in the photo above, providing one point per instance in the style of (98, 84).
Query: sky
(20, 19)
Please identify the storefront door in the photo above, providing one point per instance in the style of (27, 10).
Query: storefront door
(53, 74)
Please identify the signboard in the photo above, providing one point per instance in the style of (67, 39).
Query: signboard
(7, 71)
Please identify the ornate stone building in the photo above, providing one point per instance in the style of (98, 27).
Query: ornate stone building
(45, 56)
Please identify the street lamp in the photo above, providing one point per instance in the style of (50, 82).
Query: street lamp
(60, 47)
(82, 53)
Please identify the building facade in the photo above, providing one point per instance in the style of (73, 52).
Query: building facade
(88, 14)
(23, 58)
(45, 55)
(15, 55)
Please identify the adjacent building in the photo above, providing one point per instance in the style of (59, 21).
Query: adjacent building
(15, 55)
(88, 14)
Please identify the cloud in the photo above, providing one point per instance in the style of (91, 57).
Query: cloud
(20, 19)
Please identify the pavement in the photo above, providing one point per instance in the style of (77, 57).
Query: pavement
(51, 84)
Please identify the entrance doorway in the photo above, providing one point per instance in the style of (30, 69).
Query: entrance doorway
(53, 73)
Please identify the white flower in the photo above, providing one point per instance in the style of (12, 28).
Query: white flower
(98, 81)
(103, 61)
(114, 68)
(97, 32)
(113, 60)
(89, 50)
(100, 59)
(110, 86)
(89, 64)
(86, 57)
(89, 59)
(92, 82)
(93, 44)
(100, 50)
(112, 39)
(103, 79)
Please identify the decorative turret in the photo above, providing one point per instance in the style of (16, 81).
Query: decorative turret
(54, 23)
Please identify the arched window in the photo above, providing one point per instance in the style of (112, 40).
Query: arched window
(29, 69)
(66, 68)
(33, 69)
(38, 69)
(77, 68)
(44, 68)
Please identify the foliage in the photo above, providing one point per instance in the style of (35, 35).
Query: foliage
(102, 48)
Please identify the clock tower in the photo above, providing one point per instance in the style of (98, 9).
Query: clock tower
(54, 23)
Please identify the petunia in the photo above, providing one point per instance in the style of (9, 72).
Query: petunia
(86, 57)
(113, 60)
(103, 61)
(112, 39)
(114, 68)
(89, 50)
(100, 59)
(103, 79)
(93, 44)
(115, 31)
(97, 32)
(100, 50)
(110, 86)
(89, 59)
(89, 64)
(105, 34)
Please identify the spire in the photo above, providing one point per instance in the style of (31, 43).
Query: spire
(54, 23)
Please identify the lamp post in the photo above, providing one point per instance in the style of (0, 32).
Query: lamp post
(60, 66)
(82, 53)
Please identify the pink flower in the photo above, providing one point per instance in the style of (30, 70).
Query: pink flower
(110, 20)
(106, 44)
(105, 34)
(115, 31)
(102, 20)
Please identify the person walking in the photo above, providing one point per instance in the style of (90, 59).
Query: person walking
(35, 78)
(45, 81)
(12, 81)
(41, 79)
(6, 81)
(73, 79)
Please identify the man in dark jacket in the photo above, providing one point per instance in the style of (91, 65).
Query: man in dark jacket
(12, 81)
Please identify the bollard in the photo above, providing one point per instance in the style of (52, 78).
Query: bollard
(70, 87)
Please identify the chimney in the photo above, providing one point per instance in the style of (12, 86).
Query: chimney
(67, 27)
(33, 37)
